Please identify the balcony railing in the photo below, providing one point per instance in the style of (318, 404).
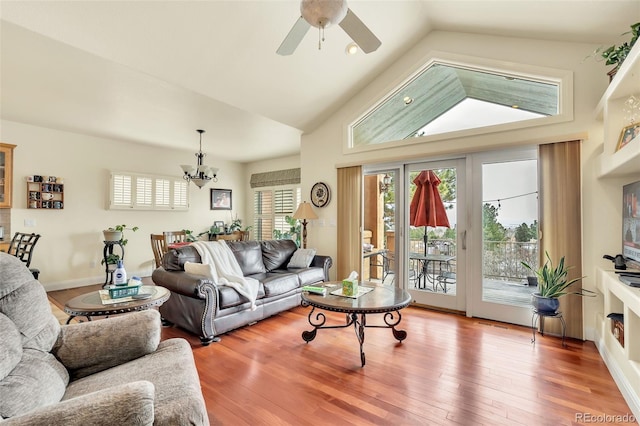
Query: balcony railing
(502, 260)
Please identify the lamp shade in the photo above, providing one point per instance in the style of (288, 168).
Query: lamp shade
(305, 212)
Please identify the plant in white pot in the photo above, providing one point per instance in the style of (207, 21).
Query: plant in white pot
(552, 284)
(116, 234)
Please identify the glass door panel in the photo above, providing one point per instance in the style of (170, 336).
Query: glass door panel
(509, 210)
(378, 237)
(435, 231)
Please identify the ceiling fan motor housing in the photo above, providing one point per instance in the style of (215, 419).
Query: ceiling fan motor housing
(323, 13)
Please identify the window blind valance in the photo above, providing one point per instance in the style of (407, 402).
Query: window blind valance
(275, 178)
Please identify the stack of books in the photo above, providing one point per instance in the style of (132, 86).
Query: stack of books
(315, 289)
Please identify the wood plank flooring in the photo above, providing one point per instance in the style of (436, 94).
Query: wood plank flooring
(451, 370)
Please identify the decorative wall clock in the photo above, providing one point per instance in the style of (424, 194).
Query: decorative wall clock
(320, 194)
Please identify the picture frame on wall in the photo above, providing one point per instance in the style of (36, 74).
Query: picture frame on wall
(627, 135)
(221, 199)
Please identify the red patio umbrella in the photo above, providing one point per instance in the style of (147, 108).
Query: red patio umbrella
(427, 208)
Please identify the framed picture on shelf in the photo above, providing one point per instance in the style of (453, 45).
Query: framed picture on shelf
(220, 199)
(627, 135)
(219, 224)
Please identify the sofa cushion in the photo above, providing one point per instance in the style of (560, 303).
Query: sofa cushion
(228, 297)
(279, 283)
(301, 258)
(39, 379)
(249, 256)
(11, 347)
(276, 253)
(175, 259)
(309, 276)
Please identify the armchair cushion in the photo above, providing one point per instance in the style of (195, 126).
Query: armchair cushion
(11, 348)
(83, 349)
(38, 380)
(126, 404)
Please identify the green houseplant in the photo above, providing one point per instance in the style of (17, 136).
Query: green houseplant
(116, 233)
(552, 284)
(616, 54)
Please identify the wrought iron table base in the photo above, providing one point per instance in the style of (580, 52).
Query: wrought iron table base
(359, 322)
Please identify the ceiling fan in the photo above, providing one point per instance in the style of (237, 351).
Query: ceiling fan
(322, 14)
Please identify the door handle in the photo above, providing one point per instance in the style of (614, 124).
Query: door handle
(464, 240)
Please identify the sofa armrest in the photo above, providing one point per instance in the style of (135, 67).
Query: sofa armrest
(126, 404)
(89, 347)
(324, 262)
(181, 282)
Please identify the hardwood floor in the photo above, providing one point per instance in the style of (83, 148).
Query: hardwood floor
(450, 370)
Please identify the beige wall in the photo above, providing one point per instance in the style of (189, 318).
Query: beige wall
(601, 198)
(72, 239)
(70, 250)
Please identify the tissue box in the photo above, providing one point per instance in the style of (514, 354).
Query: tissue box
(350, 287)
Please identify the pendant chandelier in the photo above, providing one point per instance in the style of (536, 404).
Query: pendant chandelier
(201, 174)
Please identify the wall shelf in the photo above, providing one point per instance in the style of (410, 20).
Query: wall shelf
(45, 194)
(622, 362)
(626, 82)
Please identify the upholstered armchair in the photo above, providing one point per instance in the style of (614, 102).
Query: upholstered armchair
(112, 371)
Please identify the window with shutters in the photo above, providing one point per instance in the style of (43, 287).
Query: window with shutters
(148, 192)
(271, 208)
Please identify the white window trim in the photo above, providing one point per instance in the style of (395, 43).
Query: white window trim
(152, 202)
(563, 78)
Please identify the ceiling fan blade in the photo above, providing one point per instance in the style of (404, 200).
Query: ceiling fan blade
(353, 26)
(293, 39)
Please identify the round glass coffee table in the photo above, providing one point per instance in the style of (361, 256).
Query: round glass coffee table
(378, 299)
(90, 304)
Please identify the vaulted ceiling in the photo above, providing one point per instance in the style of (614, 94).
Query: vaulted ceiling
(154, 71)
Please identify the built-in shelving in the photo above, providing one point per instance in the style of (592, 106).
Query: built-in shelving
(622, 361)
(625, 83)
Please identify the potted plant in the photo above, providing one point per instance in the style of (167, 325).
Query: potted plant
(212, 232)
(552, 284)
(190, 237)
(615, 55)
(116, 234)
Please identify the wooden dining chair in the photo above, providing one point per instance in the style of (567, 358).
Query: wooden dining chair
(171, 237)
(159, 248)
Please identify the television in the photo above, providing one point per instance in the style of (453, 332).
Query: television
(631, 224)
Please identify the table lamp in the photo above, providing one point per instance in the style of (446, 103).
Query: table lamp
(303, 213)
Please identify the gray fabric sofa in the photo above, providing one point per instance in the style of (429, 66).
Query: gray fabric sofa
(112, 371)
(208, 310)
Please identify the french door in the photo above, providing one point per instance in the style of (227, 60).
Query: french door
(473, 264)
(505, 207)
(434, 255)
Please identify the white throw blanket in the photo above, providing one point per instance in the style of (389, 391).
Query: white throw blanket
(225, 269)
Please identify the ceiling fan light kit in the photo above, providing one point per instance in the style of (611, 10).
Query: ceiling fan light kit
(322, 14)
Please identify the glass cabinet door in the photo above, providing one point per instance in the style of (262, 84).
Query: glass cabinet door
(6, 174)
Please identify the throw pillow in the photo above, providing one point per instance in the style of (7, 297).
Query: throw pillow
(301, 258)
(198, 269)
